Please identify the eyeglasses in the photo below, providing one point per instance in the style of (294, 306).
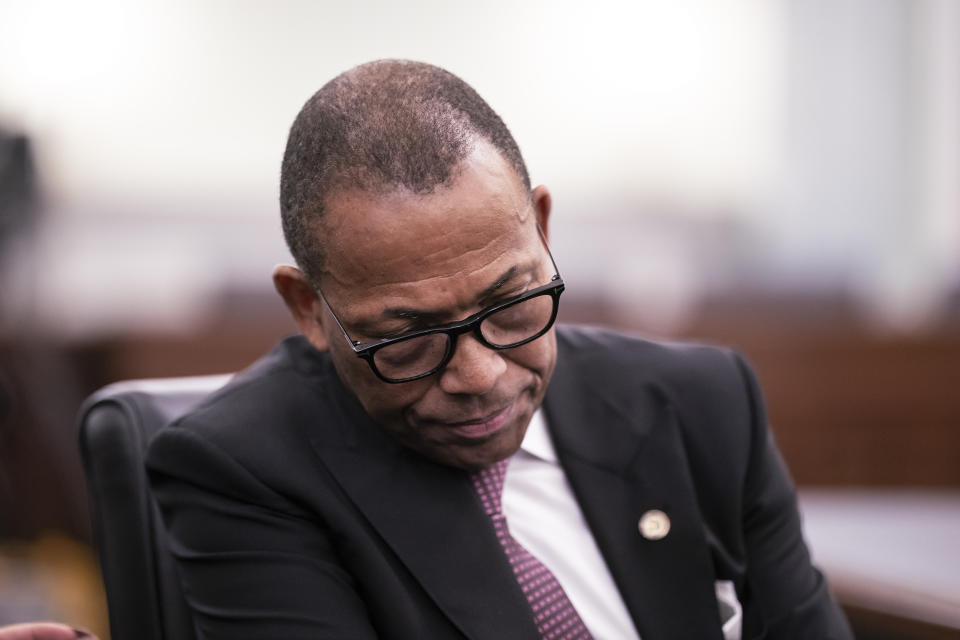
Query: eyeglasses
(505, 325)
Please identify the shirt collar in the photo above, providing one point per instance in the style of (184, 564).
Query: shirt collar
(537, 440)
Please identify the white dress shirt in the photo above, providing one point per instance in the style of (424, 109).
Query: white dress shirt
(544, 517)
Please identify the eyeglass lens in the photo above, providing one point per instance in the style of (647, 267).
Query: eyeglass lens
(504, 328)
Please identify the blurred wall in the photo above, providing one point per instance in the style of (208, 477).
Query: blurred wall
(776, 175)
(692, 146)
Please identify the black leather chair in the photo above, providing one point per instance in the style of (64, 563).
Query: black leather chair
(143, 592)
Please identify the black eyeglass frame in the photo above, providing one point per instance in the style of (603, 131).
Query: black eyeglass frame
(454, 330)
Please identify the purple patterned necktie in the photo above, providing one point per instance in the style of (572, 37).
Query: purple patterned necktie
(553, 613)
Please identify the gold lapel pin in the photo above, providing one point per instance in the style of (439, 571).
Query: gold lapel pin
(654, 524)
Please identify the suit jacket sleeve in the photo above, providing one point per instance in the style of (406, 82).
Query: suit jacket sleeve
(785, 595)
(253, 565)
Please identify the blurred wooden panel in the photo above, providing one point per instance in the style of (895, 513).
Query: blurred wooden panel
(851, 408)
(869, 624)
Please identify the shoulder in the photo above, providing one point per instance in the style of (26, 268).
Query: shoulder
(278, 388)
(709, 393)
(626, 362)
(260, 423)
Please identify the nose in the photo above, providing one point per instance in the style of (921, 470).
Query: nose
(474, 368)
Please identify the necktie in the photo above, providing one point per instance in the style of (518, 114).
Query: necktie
(553, 613)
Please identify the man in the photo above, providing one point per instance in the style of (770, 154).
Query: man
(341, 487)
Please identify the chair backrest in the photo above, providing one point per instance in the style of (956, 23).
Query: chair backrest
(116, 423)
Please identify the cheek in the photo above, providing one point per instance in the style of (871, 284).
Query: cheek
(382, 401)
(538, 357)
(354, 372)
(386, 403)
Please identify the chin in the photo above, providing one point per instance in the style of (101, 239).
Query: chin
(501, 447)
(471, 458)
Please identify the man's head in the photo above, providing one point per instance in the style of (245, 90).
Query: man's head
(408, 214)
(378, 126)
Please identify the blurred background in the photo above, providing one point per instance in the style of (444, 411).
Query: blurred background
(782, 176)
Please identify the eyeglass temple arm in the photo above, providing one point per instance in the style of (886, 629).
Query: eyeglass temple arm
(353, 343)
(546, 245)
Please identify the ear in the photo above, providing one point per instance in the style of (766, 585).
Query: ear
(302, 301)
(542, 202)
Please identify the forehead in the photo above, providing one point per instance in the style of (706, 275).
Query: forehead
(397, 242)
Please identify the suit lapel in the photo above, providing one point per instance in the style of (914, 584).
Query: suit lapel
(430, 517)
(623, 455)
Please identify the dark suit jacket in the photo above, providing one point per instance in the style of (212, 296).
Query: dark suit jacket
(292, 515)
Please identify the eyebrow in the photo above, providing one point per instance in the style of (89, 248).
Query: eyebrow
(424, 318)
(506, 277)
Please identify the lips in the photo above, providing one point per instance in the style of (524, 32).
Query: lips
(480, 428)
